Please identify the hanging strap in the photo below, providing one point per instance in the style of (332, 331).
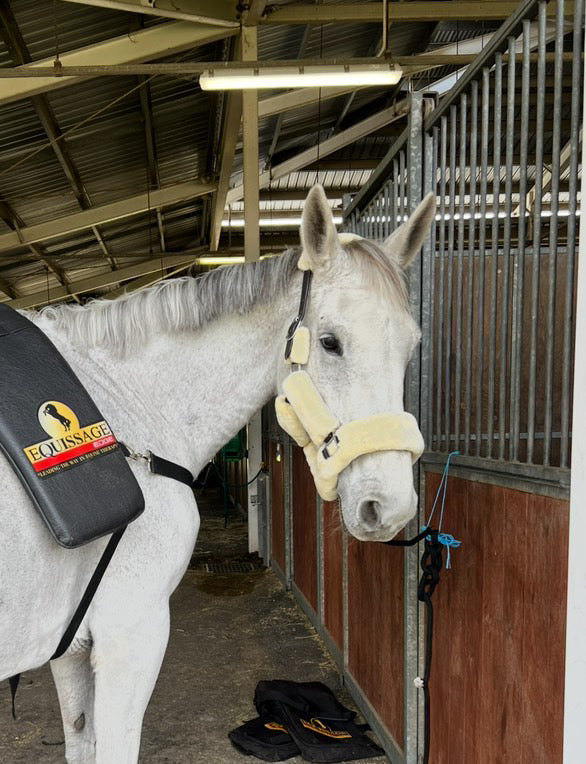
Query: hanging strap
(158, 466)
(88, 595)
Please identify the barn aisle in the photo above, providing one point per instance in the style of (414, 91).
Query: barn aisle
(228, 631)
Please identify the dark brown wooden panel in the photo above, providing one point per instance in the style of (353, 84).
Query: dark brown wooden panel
(333, 592)
(304, 501)
(499, 629)
(277, 508)
(375, 629)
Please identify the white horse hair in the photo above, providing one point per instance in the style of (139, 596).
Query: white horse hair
(178, 369)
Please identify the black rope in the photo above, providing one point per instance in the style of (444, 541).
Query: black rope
(236, 485)
(431, 565)
(410, 542)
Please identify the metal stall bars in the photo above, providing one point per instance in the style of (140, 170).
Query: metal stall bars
(507, 145)
(495, 287)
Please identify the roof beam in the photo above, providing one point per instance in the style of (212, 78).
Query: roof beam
(231, 119)
(296, 99)
(8, 289)
(250, 154)
(281, 116)
(331, 145)
(213, 12)
(134, 205)
(254, 13)
(151, 149)
(19, 53)
(442, 10)
(16, 224)
(230, 130)
(103, 280)
(145, 45)
(190, 70)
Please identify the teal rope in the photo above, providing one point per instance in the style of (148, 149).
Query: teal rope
(444, 538)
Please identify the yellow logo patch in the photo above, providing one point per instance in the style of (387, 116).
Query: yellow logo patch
(69, 443)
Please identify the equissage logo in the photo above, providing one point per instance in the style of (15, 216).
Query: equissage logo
(68, 444)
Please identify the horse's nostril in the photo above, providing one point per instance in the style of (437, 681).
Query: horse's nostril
(369, 514)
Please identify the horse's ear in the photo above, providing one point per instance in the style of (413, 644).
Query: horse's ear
(405, 242)
(319, 239)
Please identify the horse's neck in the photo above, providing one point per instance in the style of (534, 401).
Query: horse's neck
(187, 394)
(209, 385)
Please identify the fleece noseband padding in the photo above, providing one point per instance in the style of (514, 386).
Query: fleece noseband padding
(330, 446)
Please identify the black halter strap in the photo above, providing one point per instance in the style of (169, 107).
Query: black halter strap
(303, 302)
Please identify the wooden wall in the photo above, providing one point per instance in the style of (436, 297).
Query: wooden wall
(497, 684)
(376, 639)
(304, 506)
(333, 573)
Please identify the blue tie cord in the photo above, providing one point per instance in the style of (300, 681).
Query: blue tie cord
(448, 541)
(444, 538)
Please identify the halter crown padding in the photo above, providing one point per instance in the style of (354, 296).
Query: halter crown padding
(304, 263)
(299, 353)
(305, 416)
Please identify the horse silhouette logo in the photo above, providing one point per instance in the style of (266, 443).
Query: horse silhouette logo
(51, 410)
(57, 419)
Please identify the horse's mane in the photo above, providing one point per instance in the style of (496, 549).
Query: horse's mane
(187, 303)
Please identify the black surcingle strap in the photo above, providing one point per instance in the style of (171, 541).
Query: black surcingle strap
(88, 595)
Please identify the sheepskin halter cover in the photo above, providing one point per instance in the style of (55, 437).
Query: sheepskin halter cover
(329, 445)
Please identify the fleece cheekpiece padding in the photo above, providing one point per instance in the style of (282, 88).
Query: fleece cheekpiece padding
(309, 406)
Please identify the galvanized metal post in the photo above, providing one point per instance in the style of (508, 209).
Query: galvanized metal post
(414, 192)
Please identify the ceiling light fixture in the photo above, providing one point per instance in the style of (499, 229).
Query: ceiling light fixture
(333, 75)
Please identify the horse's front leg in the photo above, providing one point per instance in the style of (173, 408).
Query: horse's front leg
(126, 665)
(74, 679)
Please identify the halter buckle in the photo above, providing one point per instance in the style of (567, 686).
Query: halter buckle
(305, 287)
(291, 334)
(330, 445)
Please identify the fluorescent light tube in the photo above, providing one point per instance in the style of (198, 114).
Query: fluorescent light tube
(257, 78)
(273, 222)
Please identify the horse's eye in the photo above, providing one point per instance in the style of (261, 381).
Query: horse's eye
(330, 344)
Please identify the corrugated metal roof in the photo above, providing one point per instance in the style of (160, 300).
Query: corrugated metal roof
(104, 134)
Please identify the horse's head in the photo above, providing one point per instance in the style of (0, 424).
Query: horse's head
(342, 394)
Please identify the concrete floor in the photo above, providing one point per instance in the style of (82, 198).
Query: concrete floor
(227, 633)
